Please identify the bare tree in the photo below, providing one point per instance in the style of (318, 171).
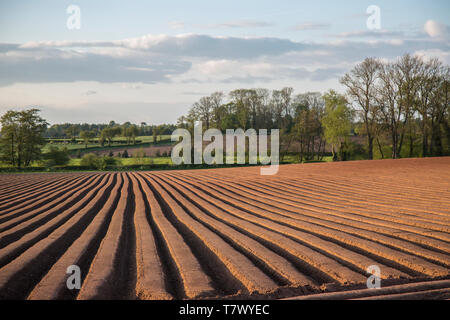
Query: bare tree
(408, 68)
(203, 110)
(389, 103)
(216, 100)
(361, 89)
(429, 109)
(265, 118)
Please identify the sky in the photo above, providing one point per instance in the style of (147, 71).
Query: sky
(145, 60)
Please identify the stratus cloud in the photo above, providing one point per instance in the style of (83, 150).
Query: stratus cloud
(311, 26)
(192, 45)
(239, 24)
(205, 46)
(161, 58)
(196, 45)
(436, 30)
(54, 65)
(223, 25)
(372, 34)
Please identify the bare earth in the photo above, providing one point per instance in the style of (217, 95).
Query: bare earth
(229, 233)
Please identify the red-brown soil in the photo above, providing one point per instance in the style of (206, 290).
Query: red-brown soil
(309, 231)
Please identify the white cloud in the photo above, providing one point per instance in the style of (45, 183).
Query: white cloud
(224, 25)
(311, 26)
(241, 24)
(444, 56)
(371, 34)
(234, 24)
(436, 30)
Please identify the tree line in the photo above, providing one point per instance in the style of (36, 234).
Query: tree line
(90, 131)
(400, 108)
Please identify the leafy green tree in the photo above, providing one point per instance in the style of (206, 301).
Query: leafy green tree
(72, 131)
(110, 133)
(56, 156)
(241, 105)
(22, 137)
(107, 161)
(86, 136)
(90, 160)
(155, 134)
(94, 161)
(337, 121)
(101, 140)
(307, 128)
(130, 133)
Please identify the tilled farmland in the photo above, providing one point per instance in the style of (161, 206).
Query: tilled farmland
(225, 233)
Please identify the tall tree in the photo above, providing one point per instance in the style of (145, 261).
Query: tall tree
(390, 106)
(264, 114)
(439, 109)
(429, 81)
(72, 131)
(361, 89)
(130, 132)
(336, 121)
(216, 100)
(22, 136)
(309, 108)
(86, 135)
(109, 133)
(203, 110)
(408, 68)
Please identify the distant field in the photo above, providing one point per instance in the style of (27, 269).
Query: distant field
(132, 161)
(79, 144)
(226, 233)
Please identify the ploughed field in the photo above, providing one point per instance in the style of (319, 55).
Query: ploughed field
(225, 233)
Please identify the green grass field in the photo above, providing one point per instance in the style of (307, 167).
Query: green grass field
(294, 159)
(131, 161)
(79, 144)
(148, 163)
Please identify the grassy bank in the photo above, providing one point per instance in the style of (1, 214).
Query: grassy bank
(131, 164)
